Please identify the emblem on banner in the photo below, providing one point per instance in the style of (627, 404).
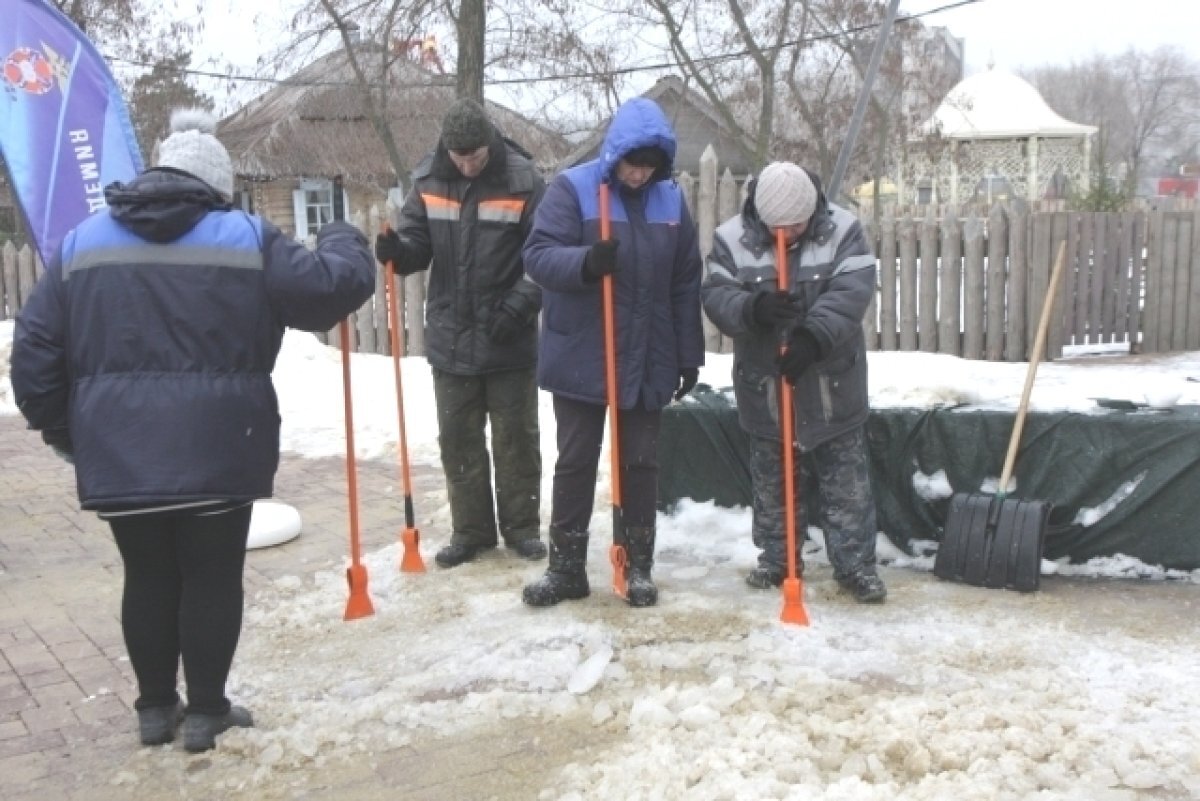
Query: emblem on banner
(33, 71)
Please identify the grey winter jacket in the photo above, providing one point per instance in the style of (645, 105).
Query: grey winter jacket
(832, 275)
(474, 230)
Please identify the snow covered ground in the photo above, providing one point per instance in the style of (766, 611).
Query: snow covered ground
(1085, 690)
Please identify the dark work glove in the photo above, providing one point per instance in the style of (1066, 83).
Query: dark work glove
(389, 247)
(687, 381)
(774, 309)
(802, 351)
(601, 260)
(59, 439)
(504, 325)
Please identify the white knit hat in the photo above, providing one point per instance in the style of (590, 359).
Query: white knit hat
(192, 148)
(784, 195)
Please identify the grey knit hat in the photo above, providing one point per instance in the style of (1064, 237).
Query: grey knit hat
(466, 126)
(784, 195)
(194, 149)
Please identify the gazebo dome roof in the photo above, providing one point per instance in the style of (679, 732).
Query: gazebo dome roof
(999, 105)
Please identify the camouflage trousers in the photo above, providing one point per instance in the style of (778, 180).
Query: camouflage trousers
(508, 402)
(844, 506)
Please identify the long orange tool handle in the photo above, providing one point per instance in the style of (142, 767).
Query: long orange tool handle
(617, 554)
(793, 586)
(410, 537)
(359, 604)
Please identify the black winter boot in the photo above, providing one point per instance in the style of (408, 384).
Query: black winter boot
(639, 547)
(566, 576)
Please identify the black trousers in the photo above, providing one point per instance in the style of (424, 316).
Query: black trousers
(580, 438)
(183, 598)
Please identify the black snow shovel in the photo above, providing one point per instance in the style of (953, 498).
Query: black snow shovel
(992, 540)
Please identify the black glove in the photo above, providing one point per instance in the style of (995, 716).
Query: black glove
(802, 351)
(59, 439)
(601, 260)
(504, 325)
(774, 309)
(687, 381)
(389, 247)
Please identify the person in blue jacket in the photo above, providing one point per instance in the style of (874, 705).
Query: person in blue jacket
(145, 355)
(653, 255)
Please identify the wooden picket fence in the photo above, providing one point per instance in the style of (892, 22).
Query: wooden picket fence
(965, 285)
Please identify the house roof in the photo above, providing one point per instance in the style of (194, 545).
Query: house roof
(696, 124)
(313, 124)
(999, 105)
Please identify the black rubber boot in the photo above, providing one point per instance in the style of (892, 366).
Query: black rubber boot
(566, 576)
(639, 547)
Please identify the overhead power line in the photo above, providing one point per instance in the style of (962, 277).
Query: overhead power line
(448, 80)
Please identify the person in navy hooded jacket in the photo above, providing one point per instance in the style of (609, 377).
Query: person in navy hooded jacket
(653, 255)
(145, 355)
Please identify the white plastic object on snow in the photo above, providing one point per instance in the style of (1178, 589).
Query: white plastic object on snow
(272, 523)
(588, 674)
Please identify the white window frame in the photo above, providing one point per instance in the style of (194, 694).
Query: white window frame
(303, 201)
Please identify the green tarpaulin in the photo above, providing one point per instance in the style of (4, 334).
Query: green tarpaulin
(1120, 481)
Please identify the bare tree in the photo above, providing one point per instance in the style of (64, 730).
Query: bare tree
(470, 23)
(373, 35)
(1144, 104)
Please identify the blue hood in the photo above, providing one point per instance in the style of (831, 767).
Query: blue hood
(637, 123)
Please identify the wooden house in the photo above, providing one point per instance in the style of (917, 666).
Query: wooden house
(289, 143)
(697, 125)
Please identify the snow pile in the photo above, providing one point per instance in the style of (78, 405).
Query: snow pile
(945, 692)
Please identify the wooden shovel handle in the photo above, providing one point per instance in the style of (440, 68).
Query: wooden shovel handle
(1039, 345)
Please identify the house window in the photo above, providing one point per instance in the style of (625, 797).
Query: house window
(313, 205)
(244, 199)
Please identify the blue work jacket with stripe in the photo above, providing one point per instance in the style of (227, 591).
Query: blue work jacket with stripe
(152, 335)
(657, 284)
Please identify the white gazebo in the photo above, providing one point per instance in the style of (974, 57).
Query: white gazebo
(994, 137)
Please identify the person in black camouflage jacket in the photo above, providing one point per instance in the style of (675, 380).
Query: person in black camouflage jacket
(832, 280)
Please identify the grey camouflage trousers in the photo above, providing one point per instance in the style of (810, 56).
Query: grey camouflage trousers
(844, 503)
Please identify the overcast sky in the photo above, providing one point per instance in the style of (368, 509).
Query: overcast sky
(1028, 33)
(1012, 34)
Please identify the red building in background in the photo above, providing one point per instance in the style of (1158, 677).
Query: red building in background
(1185, 184)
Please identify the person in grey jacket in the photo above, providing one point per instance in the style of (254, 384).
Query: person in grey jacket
(832, 279)
(144, 355)
(470, 209)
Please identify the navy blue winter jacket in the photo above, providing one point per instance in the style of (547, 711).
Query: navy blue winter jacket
(152, 337)
(657, 284)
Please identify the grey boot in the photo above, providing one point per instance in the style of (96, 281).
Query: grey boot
(566, 576)
(200, 731)
(639, 547)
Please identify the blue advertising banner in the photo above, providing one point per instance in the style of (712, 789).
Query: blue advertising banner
(64, 131)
